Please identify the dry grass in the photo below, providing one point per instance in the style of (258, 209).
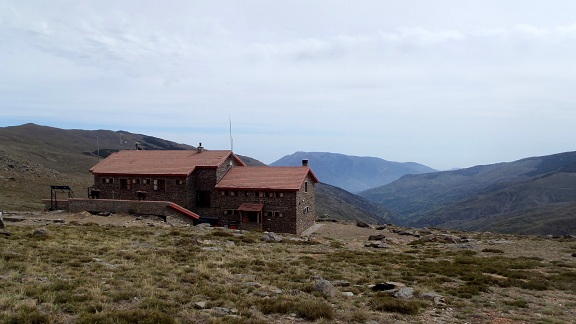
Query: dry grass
(113, 274)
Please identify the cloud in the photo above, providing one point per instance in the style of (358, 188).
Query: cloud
(531, 30)
(398, 77)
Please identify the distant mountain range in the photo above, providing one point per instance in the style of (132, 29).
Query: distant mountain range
(353, 173)
(531, 196)
(535, 195)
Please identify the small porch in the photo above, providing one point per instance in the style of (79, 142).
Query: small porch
(250, 216)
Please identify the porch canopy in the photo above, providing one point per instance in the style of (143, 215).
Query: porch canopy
(249, 207)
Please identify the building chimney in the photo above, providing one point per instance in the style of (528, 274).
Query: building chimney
(305, 162)
(200, 148)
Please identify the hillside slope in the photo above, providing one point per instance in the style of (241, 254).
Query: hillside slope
(33, 157)
(553, 219)
(472, 198)
(353, 173)
(337, 203)
(78, 149)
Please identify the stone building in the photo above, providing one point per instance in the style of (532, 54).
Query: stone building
(217, 185)
(275, 199)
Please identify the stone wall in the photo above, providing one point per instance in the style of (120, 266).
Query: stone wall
(280, 212)
(126, 188)
(223, 168)
(306, 206)
(118, 206)
(60, 204)
(135, 207)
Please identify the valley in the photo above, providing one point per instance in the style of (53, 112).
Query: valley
(531, 196)
(442, 256)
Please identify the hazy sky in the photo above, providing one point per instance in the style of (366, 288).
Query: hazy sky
(444, 83)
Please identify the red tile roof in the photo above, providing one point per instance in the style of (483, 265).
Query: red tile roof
(161, 162)
(266, 178)
(251, 207)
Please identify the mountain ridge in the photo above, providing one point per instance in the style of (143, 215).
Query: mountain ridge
(465, 198)
(33, 157)
(352, 173)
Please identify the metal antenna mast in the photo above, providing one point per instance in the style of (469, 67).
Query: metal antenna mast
(231, 140)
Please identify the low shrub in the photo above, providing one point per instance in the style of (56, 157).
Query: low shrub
(141, 316)
(314, 309)
(492, 250)
(29, 315)
(385, 303)
(220, 233)
(534, 284)
(517, 303)
(310, 309)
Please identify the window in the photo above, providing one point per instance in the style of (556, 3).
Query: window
(250, 217)
(107, 180)
(261, 194)
(179, 182)
(124, 184)
(270, 194)
(232, 193)
(306, 209)
(305, 186)
(278, 214)
(203, 198)
(136, 181)
(147, 181)
(160, 184)
(279, 195)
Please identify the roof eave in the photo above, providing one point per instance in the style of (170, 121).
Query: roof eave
(141, 174)
(256, 188)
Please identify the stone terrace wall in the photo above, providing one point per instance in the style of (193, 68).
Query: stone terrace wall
(138, 207)
(117, 206)
(61, 204)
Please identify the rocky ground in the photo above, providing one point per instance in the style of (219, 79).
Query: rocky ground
(438, 298)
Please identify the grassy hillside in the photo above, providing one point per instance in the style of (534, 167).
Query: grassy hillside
(336, 203)
(552, 219)
(481, 194)
(79, 272)
(33, 157)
